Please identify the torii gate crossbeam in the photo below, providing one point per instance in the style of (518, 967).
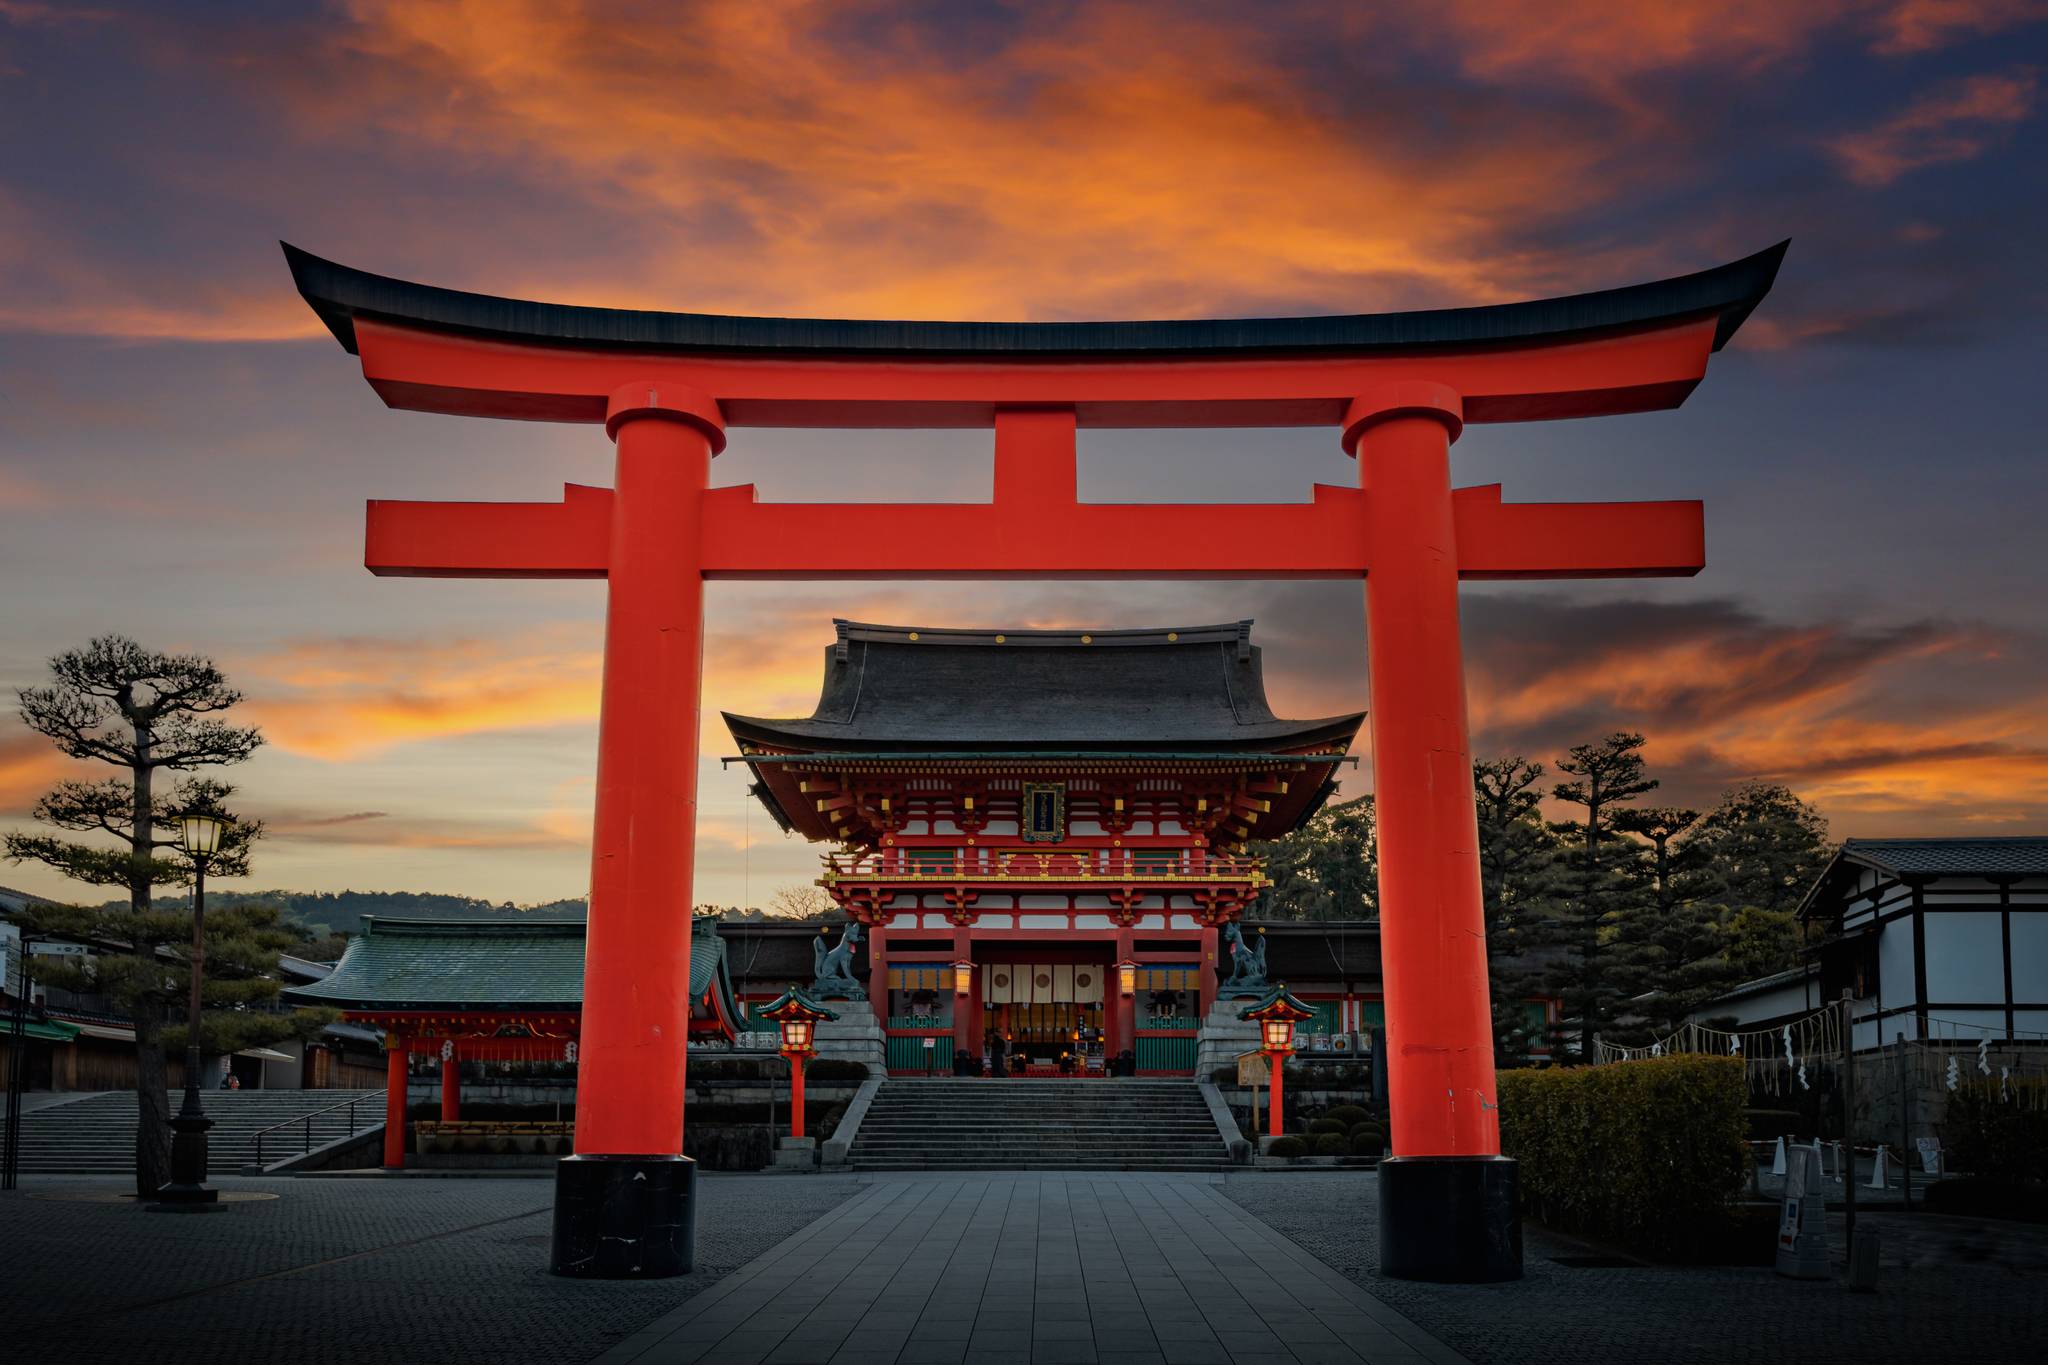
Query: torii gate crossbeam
(1399, 389)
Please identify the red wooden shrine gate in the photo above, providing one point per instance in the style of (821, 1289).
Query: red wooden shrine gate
(1398, 388)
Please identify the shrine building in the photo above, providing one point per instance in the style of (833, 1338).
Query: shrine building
(1042, 832)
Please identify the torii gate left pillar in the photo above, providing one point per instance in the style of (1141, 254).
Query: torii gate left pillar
(624, 1204)
(1399, 387)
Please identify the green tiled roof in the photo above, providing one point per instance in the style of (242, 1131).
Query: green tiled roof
(427, 964)
(454, 964)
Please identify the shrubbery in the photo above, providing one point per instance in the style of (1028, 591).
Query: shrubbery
(1326, 1125)
(835, 1071)
(1332, 1144)
(1349, 1115)
(1289, 1147)
(1994, 1139)
(1367, 1140)
(1650, 1153)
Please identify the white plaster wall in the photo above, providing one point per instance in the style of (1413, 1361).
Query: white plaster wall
(1084, 827)
(1151, 921)
(1966, 957)
(1093, 922)
(1185, 922)
(1008, 827)
(937, 922)
(945, 827)
(1091, 902)
(1895, 964)
(903, 922)
(2029, 955)
(1041, 921)
(996, 921)
(1171, 827)
(1029, 902)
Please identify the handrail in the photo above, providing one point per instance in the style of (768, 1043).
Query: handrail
(306, 1119)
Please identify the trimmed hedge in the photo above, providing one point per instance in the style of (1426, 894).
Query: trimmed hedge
(835, 1070)
(1326, 1125)
(1332, 1144)
(1369, 1129)
(1289, 1147)
(1366, 1140)
(1350, 1115)
(1649, 1153)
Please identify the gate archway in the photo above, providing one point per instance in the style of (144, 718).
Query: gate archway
(1398, 388)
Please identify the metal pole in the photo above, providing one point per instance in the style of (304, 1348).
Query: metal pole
(17, 1072)
(1848, 1124)
(1906, 1152)
(188, 1141)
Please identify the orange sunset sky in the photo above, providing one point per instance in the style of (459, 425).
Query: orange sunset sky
(184, 452)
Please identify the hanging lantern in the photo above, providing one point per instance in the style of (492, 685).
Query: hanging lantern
(1127, 977)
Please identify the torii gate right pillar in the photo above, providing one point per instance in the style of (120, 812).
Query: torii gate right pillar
(1447, 1196)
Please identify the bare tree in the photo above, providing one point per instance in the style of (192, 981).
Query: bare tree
(115, 702)
(799, 900)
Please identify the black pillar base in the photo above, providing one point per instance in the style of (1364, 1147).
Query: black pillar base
(625, 1217)
(188, 1188)
(1449, 1218)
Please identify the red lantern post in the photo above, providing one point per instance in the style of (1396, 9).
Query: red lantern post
(797, 1015)
(1277, 1015)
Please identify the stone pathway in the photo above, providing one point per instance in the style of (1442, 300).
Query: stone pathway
(1033, 1269)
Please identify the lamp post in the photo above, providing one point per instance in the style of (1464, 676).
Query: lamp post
(199, 835)
(1277, 1015)
(797, 1015)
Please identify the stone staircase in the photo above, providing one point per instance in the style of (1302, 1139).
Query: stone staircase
(95, 1135)
(1097, 1124)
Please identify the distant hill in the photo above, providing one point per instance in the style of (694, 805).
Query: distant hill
(341, 912)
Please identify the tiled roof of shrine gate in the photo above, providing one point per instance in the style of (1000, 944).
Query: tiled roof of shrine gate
(1728, 293)
(916, 689)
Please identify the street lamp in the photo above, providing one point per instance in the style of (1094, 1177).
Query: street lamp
(1277, 1015)
(199, 835)
(797, 1015)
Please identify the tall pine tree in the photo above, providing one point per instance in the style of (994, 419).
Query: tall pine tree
(1591, 959)
(1518, 874)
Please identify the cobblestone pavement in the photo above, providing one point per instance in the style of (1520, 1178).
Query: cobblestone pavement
(1959, 1290)
(354, 1272)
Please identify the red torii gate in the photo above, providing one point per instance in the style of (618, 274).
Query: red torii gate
(1399, 387)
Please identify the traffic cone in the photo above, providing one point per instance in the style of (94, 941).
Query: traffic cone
(1778, 1158)
(1877, 1175)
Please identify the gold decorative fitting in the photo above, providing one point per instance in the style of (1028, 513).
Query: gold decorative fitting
(1087, 639)
(1000, 639)
(1172, 635)
(913, 636)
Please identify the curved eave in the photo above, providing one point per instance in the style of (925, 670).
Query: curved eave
(829, 739)
(340, 294)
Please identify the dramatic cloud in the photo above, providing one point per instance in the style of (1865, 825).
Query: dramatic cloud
(1958, 122)
(1947, 721)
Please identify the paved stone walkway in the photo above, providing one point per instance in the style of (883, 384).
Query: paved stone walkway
(1033, 1269)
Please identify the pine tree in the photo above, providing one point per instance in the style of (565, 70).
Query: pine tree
(114, 702)
(1763, 846)
(1592, 956)
(1674, 936)
(1518, 874)
(1327, 868)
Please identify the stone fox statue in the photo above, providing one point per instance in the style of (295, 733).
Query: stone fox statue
(1247, 963)
(833, 967)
